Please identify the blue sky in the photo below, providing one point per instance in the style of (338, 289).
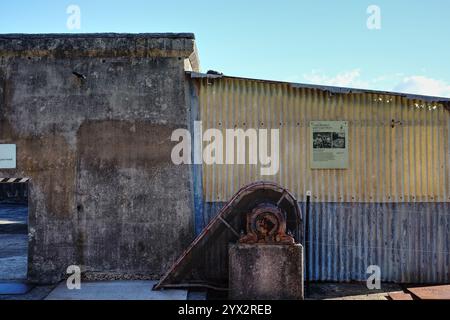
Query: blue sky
(320, 41)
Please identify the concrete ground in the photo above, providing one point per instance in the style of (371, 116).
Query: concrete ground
(141, 290)
(349, 291)
(35, 293)
(13, 266)
(334, 291)
(13, 242)
(116, 290)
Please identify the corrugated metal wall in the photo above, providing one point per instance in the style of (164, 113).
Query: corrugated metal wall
(407, 162)
(410, 242)
(390, 208)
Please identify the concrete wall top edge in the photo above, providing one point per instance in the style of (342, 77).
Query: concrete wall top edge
(96, 35)
(98, 45)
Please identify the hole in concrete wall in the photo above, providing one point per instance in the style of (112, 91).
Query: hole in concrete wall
(13, 230)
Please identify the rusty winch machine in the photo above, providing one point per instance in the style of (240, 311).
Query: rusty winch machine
(266, 224)
(259, 231)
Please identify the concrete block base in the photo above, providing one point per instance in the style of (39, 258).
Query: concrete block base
(265, 272)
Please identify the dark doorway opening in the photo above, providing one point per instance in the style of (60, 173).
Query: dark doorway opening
(13, 230)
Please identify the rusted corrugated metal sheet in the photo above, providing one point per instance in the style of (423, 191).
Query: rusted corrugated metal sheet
(391, 208)
(399, 147)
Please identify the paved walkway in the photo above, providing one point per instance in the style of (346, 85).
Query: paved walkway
(115, 290)
(141, 290)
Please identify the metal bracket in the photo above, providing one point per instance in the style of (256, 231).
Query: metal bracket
(229, 226)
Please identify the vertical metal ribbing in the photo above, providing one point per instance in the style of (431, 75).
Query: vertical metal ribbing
(391, 206)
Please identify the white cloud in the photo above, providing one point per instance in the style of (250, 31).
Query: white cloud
(350, 78)
(424, 86)
(397, 82)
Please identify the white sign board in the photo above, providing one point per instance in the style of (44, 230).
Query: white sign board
(7, 156)
(329, 144)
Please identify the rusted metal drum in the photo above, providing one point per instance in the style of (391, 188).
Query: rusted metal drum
(266, 224)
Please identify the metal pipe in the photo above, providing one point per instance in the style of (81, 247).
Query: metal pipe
(306, 242)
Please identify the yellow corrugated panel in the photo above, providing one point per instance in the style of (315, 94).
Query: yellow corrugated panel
(404, 161)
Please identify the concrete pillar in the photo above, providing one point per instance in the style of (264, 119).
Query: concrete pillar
(266, 272)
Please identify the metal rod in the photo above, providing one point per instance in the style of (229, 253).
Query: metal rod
(191, 285)
(229, 226)
(306, 242)
(281, 198)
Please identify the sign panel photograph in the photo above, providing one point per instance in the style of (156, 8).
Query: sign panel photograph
(7, 156)
(329, 144)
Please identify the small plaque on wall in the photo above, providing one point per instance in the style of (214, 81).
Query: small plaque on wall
(7, 156)
(329, 144)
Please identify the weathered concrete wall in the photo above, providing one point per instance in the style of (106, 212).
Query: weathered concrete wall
(104, 193)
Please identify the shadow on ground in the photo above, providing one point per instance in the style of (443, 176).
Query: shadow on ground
(349, 291)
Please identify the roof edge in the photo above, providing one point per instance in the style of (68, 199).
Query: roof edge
(331, 89)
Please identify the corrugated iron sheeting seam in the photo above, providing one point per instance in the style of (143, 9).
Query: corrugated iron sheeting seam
(391, 208)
